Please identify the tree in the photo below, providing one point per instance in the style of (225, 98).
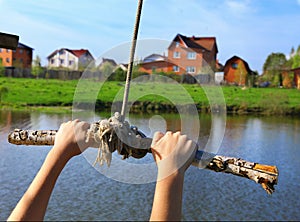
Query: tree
(292, 52)
(2, 68)
(273, 66)
(36, 69)
(296, 61)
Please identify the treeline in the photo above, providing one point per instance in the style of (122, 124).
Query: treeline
(277, 69)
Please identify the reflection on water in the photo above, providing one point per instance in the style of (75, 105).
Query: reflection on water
(82, 193)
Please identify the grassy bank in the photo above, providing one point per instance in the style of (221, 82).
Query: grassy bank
(46, 94)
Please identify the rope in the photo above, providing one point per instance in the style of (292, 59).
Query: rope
(131, 58)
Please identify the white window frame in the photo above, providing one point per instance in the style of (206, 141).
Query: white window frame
(176, 69)
(191, 55)
(191, 69)
(176, 55)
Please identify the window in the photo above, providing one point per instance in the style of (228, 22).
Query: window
(7, 50)
(7, 60)
(71, 63)
(0, 50)
(177, 44)
(175, 69)
(52, 61)
(61, 61)
(21, 51)
(234, 65)
(176, 55)
(191, 55)
(190, 69)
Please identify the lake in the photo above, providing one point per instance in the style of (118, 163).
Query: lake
(83, 193)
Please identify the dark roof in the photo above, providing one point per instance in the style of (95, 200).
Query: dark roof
(298, 68)
(206, 43)
(23, 46)
(111, 61)
(234, 58)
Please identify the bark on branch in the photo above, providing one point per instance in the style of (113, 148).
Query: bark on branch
(110, 135)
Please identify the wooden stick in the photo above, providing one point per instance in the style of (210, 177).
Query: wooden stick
(265, 175)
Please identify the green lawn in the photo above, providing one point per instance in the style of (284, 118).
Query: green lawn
(41, 92)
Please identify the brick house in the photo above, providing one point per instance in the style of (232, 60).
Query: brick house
(237, 71)
(19, 58)
(70, 58)
(156, 63)
(297, 77)
(193, 55)
(186, 55)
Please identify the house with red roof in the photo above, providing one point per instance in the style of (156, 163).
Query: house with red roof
(186, 55)
(74, 59)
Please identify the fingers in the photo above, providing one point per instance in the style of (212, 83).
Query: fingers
(157, 136)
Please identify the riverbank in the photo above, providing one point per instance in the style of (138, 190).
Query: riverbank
(48, 95)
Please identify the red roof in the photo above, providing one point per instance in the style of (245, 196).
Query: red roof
(78, 52)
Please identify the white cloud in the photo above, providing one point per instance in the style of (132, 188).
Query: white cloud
(238, 8)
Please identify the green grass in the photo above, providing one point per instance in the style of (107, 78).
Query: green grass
(41, 92)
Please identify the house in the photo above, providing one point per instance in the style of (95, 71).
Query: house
(155, 63)
(73, 59)
(110, 61)
(297, 77)
(21, 57)
(237, 71)
(193, 55)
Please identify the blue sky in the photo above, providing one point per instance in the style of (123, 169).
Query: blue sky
(251, 29)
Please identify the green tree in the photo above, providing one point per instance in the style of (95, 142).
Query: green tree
(273, 67)
(2, 68)
(36, 69)
(296, 61)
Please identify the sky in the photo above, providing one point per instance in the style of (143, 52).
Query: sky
(250, 29)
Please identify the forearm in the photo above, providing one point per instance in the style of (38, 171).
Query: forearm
(33, 204)
(167, 201)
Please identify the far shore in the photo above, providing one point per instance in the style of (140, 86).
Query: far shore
(58, 96)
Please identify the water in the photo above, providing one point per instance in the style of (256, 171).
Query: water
(82, 193)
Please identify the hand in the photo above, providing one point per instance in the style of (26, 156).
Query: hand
(70, 138)
(172, 152)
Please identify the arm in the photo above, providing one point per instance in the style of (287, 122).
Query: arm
(33, 204)
(173, 154)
